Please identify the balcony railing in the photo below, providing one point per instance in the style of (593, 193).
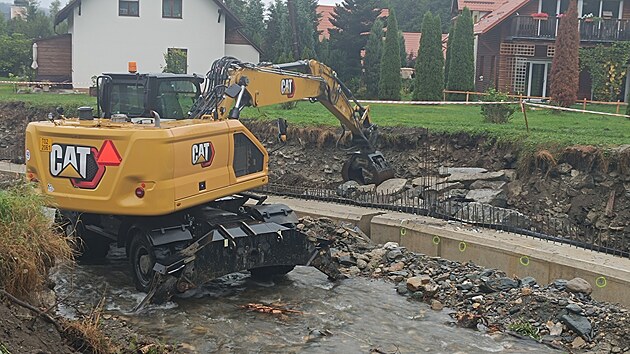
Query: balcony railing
(527, 27)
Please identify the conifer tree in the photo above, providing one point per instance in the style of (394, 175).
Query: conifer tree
(565, 70)
(390, 81)
(429, 79)
(372, 60)
(449, 46)
(352, 20)
(461, 75)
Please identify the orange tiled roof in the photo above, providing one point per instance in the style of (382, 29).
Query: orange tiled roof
(412, 42)
(479, 5)
(507, 8)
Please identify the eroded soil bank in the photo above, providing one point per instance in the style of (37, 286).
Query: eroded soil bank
(584, 186)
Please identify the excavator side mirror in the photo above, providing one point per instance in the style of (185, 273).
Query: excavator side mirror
(282, 130)
(233, 91)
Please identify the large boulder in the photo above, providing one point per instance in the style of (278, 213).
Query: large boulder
(391, 186)
(471, 177)
(496, 197)
(444, 171)
(579, 285)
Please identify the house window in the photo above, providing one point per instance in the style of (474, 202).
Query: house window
(172, 8)
(129, 8)
(601, 8)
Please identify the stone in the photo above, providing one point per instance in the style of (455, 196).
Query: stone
(579, 285)
(575, 308)
(396, 267)
(414, 283)
(564, 168)
(578, 343)
(488, 185)
(347, 189)
(368, 188)
(500, 284)
(582, 181)
(555, 329)
(430, 289)
(347, 260)
(390, 246)
(394, 254)
(528, 282)
(436, 305)
(401, 289)
(579, 324)
(510, 174)
(488, 196)
(361, 264)
(443, 170)
(457, 194)
(470, 177)
(560, 284)
(391, 186)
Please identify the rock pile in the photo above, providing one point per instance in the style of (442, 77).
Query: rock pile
(561, 314)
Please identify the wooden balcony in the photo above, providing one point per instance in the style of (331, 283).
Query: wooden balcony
(605, 30)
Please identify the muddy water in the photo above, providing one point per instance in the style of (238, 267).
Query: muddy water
(354, 316)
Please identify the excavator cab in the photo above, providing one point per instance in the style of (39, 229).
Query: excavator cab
(171, 96)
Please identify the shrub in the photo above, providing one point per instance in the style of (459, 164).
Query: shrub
(497, 113)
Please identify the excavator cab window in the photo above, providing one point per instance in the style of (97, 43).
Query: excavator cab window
(175, 98)
(127, 99)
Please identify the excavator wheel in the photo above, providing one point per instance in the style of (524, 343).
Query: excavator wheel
(88, 246)
(363, 169)
(142, 259)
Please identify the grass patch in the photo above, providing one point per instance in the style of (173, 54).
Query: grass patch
(524, 328)
(546, 128)
(85, 334)
(29, 245)
(48, 100)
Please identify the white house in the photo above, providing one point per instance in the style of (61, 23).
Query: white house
(107, 34)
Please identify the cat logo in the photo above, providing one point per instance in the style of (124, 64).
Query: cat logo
(202, 154)
(83, 165)
(287, 87)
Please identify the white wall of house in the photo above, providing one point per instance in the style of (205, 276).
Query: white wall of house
(244, 52)
(103, 41)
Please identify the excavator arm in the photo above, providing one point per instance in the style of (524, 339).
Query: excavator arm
(232, 85)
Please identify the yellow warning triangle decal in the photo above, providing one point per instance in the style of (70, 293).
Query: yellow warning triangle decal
(201, 159)
(70, 172)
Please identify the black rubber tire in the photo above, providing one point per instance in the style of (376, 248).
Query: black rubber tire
(89, 247)
(270, 271)
(142, 260)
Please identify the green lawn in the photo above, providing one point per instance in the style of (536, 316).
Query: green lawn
(546, 128)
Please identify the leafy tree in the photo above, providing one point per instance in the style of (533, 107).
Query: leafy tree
(429, 79)
(3, 25)
(15, 55)
(372, 59)
(461, 75)
(607, 66)
(35, 25)
(353, 20)
(176, 61)
(410, 13)
(565, 70)
(307, 21)
(390, 81)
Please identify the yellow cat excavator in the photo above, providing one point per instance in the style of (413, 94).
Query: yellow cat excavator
(165, 169)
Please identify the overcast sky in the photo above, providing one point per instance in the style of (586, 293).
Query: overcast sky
(46, 3)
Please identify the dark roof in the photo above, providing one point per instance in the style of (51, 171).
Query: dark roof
(67, 10)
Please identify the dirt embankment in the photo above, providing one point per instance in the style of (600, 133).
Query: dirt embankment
(583, 185)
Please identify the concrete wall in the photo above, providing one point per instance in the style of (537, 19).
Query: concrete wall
(514, 254)
(103, 41)
(243, 52)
